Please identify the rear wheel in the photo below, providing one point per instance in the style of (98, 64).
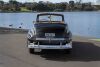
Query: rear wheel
(31, 50)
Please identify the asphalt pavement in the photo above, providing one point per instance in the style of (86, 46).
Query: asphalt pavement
(14, 53)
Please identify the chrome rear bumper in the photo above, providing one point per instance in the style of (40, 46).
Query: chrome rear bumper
(54, 39)
(66, 46)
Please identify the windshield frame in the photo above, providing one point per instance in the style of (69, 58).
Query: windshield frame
(44, 14)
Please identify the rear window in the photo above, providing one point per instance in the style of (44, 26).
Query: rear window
(50, 18)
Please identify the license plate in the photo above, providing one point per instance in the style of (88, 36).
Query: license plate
(49, 34)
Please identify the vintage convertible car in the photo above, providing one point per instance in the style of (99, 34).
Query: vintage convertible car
(49, 32)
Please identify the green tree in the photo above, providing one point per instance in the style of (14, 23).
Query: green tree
(14, 5)
(1, 4)
(34, 7)
(42, 6)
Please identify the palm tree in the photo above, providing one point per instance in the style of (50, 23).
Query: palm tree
(71, 5)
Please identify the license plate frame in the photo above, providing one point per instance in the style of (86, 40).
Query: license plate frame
(49, 35)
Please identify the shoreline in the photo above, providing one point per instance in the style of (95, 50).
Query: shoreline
(47, 11)
(6, 30)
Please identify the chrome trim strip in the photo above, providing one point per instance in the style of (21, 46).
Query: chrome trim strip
(50, 39)
(67, 46)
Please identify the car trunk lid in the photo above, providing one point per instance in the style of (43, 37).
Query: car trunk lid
(50, 30)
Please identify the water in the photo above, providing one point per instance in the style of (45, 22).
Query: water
(80, 23)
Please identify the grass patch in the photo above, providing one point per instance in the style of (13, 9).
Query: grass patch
(24, 9)
(95, 39)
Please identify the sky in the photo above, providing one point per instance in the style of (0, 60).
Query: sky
(52, 0)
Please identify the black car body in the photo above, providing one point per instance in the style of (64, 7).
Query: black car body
(50, 32)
